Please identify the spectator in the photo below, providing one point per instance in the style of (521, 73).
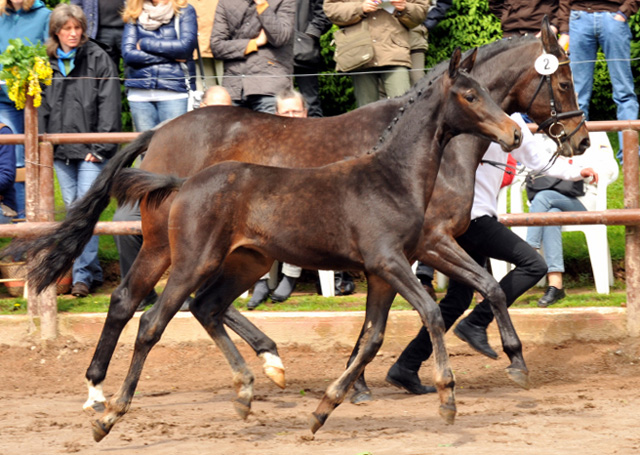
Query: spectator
(216, 96)
(27, 20)
(524, 18)
(7, 178)
(213, 68)
(84, 97)
(311, 24)
(289, 103)
(155, 48)
(418, 41)
(586, 25)
(104, 24)
(485, 237)
(254, 39)
(390, 35)
(550, 237)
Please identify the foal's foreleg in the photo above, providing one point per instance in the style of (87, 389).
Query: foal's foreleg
(135, 286)
(397, 272)
(449, 258)
(379, 299)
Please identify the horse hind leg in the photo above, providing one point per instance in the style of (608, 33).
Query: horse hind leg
(139, 281)
(379, 299)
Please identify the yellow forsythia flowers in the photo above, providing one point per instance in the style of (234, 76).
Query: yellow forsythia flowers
(24, 69)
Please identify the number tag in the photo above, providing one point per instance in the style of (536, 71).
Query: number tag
(546, 64)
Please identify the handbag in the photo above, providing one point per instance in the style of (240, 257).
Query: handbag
(534, 183)
(195, 96)
(354, 47)
(306, 51)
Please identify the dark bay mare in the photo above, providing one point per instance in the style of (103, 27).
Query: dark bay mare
(214, 134)
(374, 226)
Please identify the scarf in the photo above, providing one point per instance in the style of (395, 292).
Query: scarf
(154, 16)
(66, 60)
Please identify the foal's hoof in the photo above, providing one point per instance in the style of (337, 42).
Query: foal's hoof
(94, 407)
(316, 421)
(242, 407)
(276, 375)
(361, 397)
(99, 430)
(448, 413)
(520, 377)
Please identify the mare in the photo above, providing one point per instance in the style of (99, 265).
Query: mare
(214, 134)
(373, 227)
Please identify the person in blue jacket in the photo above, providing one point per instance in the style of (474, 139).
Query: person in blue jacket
(157, 47)
(7, 178)
(29, 21)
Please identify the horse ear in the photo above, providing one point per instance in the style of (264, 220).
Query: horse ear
(467, 63)
(454, 63)
(549, 39)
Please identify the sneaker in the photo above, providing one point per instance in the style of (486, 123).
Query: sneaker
(260, 294)
(550, 297)
(476, 337)
(80, 289)
(284, 289)
(408, 380)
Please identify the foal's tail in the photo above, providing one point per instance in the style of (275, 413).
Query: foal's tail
(53, 253)
(131, 185)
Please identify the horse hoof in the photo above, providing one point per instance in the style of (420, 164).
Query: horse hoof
(99, 430)
(94, 407)
(448, 413)
(520, 377)
(276, 375)
(242, 407)
(361, 397)
(316, 421)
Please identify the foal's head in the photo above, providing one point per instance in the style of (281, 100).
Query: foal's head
(470, 109)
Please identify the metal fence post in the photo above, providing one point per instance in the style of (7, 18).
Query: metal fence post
(632, 233)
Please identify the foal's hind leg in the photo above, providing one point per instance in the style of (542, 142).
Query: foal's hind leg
(450, 259)
(379, 299)
(136, 285)
(182, 282)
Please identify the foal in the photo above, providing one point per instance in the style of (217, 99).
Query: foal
(376, 225)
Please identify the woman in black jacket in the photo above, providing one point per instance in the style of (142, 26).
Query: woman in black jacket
(84, 97)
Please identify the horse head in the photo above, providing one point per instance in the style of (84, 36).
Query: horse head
(551, 99)
(470, 106)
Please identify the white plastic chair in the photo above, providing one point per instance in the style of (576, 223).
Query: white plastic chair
(595, 234)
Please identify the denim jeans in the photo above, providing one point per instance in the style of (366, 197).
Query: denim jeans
(147, 114)
(587, 31)
(14, 119)
(75, 177)
(550, 237)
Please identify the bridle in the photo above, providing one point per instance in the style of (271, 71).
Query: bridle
(554, 126)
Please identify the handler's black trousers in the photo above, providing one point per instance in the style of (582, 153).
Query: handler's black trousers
(486, 237)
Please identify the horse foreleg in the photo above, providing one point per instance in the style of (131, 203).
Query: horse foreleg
(136, 285)
(152, 325)
(448, 257)
(397, 272)
(379, 299)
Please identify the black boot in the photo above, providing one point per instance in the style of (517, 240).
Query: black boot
(260, 294)
(284, 289)
(550, 297)
(408, 380)
(476, 337)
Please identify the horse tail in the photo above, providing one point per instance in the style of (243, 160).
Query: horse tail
(53, 253)
(131, 185)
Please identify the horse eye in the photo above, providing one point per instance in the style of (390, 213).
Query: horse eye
(470, 97)
(564, 86)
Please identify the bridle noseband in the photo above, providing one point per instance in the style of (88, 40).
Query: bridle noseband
(554, 126)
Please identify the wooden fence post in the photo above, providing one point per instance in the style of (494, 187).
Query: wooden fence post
(632, 233)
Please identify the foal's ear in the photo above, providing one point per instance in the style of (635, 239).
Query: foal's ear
(549, 39)
(454, 63)
(467, 63)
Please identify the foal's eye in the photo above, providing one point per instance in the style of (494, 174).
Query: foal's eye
(564, 85)
(470, 97)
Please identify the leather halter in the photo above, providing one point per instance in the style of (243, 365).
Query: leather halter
(553, 124)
